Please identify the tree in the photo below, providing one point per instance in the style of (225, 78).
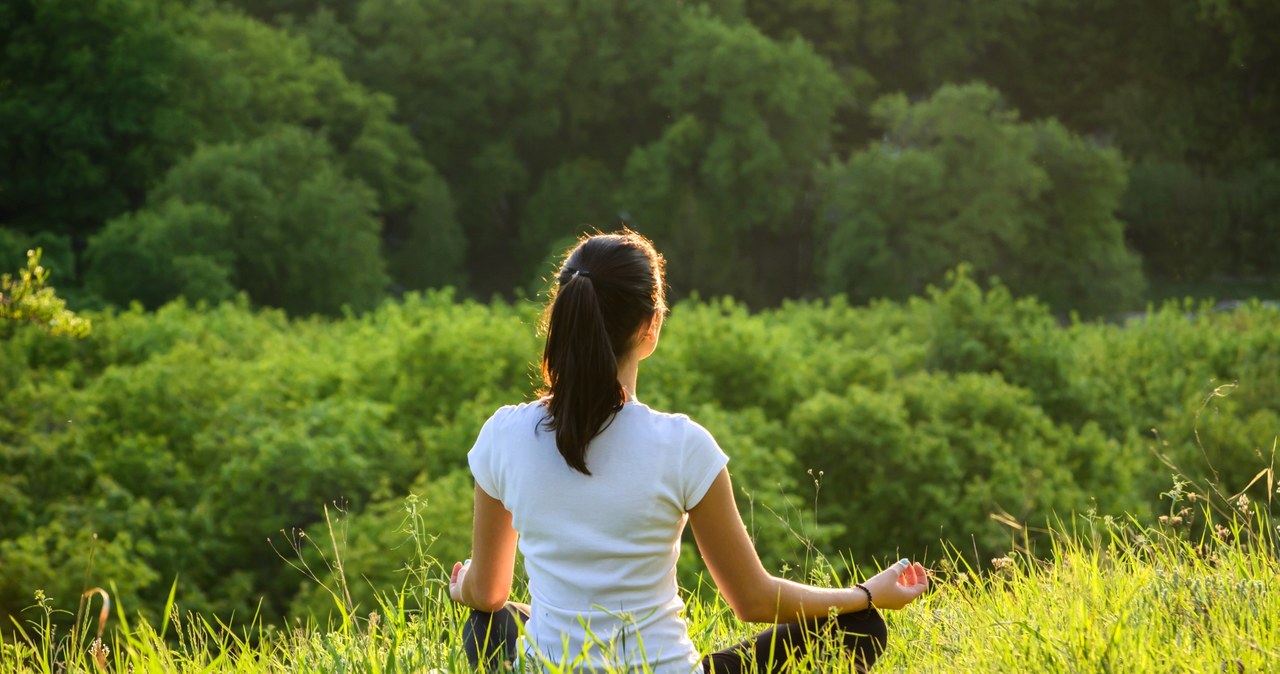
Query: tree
(959, 179)
(882, 46)
(505, 99)
(545, 117)
(166, 250)
(244, 78)
(85, 110)
(99, 100)
(1181, 89)
(27, 298)
(734, 165)
(571, 198)
(1083, 261)
(274, 216)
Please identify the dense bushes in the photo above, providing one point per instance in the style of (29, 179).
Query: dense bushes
(933, 456)
(188, 438)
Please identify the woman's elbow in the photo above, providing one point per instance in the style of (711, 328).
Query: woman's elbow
(488, 600)
(489, 606)
(755, 608)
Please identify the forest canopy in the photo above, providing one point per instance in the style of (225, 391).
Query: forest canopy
(319, 155)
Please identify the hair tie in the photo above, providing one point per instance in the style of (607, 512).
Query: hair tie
(581, 272)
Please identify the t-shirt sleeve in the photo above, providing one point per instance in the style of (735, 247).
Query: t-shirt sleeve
(483, 459)
(703, 460)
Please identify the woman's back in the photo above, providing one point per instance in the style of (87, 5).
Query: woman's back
(596, 488)
(601, 549)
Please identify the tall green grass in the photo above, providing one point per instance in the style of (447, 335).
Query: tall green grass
(1196, 591)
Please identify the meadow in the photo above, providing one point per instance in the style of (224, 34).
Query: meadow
(1110, 595)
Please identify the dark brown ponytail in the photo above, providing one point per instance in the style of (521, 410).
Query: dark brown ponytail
(607, 288)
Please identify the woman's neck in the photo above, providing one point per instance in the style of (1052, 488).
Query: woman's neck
(628, 369)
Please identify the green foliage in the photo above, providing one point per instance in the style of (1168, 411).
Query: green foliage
(55, 557)
(668, 117)
(26, 298)
(719, 352)
(273, 216)
(153, 255)
(500, 95)
(139, 87)
(244, 79)
(1216, 386)
(773, 492)
(572, 198)
(85, 116)
(1179, 83)
(742, 136)
(395, 545)
(935, 456)
(187, 438)
(1193, 225)
(748, 117)
(852, 34)
(202, 434)
(959, 179)
(451, 364)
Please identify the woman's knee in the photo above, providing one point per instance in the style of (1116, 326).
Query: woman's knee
(872, 624)
(866, 633)
(489, 638)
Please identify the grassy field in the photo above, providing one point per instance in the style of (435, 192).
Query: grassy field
(1195, 591)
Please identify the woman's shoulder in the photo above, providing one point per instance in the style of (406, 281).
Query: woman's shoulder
(674, 422)
(675, 417)
(518, 411)
(509, 422)
(701, 456)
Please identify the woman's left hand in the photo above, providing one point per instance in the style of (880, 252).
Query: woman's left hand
(455, 579)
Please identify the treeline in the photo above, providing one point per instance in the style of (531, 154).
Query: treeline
(204, 445)
(320, 154)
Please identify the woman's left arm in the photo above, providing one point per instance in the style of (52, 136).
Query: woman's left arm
(484, 582)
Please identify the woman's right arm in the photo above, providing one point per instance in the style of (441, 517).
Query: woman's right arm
(484, 581)
(755, 595)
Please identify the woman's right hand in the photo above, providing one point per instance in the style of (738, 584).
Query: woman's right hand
(898, 585)
(455, 579)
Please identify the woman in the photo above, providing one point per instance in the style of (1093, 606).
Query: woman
(597, 487)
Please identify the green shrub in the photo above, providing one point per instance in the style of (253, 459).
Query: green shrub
(933, 456)
(188, 437)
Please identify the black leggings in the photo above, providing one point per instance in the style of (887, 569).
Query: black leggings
(863, 636)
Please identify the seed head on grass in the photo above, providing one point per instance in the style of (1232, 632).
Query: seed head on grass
(97, 649)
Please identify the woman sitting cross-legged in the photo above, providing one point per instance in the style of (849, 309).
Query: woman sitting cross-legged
(596, 487)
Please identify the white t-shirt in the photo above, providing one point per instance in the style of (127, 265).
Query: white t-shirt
(601, 550)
